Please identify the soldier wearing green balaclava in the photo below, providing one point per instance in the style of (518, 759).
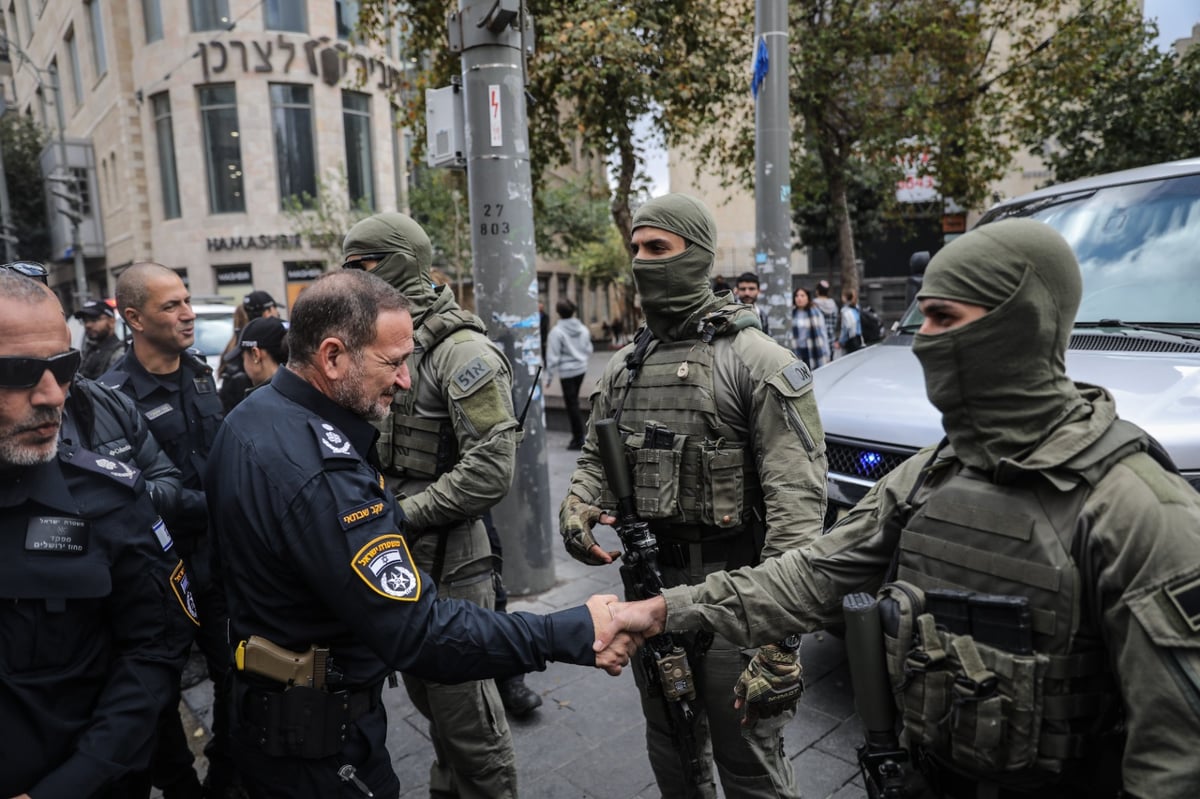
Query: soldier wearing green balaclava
(448, 451)
(1062, 658)
(743, 479)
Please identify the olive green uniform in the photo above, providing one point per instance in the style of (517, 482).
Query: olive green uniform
(448, 450)
(1041, 496)
(745, 479)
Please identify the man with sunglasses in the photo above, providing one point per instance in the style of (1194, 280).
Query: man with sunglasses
(176, 393)
(448, 449)
(94, 606)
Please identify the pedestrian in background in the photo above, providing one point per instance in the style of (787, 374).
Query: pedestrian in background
(809, 341)
(747, 294)
(234, 380)
(829, 307)
(850, 337)
(568, 352)
(102, 347)
(264, 348)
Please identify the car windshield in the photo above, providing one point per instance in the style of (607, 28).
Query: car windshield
(213, 333)
(1138, 247)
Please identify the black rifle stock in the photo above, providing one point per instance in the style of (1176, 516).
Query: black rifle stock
(666, 663)
(884, 763)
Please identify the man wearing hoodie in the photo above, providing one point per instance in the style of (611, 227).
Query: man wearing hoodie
(448, 450)
(728, 458)
(1062, 531)
(567, 353)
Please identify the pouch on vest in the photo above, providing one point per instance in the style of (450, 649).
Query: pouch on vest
(722, 481)
(419, 447)
(656, 477)
(975, 705)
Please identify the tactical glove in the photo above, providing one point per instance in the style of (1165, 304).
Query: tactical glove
(771, 683)
(575, 521)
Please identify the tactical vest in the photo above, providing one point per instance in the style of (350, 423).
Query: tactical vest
(702, 484)
(970, 695)
(411, 446)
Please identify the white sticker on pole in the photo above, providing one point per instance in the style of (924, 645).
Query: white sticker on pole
(494, 115)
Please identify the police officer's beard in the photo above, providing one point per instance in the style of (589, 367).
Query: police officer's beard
(352, 394)
(14, 453)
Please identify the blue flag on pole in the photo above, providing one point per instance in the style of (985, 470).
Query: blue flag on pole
(761, 64)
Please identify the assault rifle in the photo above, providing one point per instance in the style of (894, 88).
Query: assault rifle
(665, 662)
(883, 762)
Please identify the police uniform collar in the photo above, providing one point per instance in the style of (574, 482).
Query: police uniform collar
(43, 483)
(362, 434)
(143, 382)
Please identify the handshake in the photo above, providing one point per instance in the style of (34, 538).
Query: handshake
(622, 626)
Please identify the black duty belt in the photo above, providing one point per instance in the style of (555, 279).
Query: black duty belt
(301, 722)
(679, 553)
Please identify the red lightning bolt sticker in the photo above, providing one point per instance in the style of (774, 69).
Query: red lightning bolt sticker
(494, 114)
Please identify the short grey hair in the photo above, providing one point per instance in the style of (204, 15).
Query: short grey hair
(14, 286)
(343, 305)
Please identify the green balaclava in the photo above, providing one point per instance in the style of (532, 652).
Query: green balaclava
(1000, 381)
(675, 291)
(408, 256)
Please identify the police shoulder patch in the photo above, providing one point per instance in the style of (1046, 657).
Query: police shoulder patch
(114, 469)
(471, 375)
(386, 566)
(363, 513)
(333, 443)
(181, 585)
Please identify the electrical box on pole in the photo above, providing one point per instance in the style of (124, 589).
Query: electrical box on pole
(444, 128)
(493, 38)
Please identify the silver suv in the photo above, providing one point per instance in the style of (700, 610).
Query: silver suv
(1137, 236)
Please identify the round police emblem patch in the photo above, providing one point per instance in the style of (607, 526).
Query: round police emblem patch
(386, 566)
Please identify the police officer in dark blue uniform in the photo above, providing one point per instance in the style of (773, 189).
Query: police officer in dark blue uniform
(94, 604)
(177, 395)
(315, 562)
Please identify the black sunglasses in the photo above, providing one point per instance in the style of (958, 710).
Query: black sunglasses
(371, 256)
(18, 372)
(30, 269)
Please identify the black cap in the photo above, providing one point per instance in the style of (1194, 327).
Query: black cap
(266, 333)
(257, 302)
(94, 309)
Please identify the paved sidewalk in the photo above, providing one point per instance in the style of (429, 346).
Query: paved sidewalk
(587, 739)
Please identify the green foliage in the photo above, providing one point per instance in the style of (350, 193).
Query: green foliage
(438, 199)
(23, 140)
(606, 260)
(323, 220)
(598, 67)
(1126, 105)
(570, 215)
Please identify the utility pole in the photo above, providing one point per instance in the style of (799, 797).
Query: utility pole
(491, 36)
(772, 184)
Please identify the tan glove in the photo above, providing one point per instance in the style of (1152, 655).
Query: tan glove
(575, 521)
(771, 684)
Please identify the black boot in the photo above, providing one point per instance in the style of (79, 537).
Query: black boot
(518, 698)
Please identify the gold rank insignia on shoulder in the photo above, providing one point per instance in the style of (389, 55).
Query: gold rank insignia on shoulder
(386, 566)
(181, 585)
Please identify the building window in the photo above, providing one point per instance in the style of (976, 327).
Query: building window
(96, 23)
(209, 15)
(56, 85)
(28, 21)
(161, 105)
(346, 12)
(73, 58)
(295, 153)
(218, 114)
(286, 15)
(152, 17)
(360, 171)
(16, 29)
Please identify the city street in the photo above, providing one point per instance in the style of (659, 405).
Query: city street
(587, 739)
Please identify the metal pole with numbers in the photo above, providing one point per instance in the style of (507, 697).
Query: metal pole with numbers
(772, 184)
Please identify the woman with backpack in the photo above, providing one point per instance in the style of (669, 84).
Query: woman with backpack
(809, 341)
(850, 337)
